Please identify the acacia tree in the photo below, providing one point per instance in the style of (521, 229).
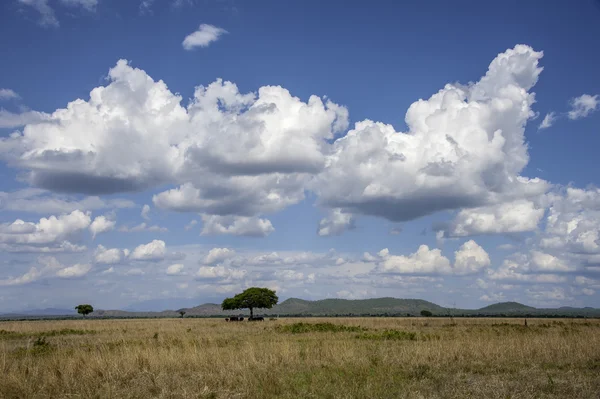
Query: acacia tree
(84, 309)
(252, 298)
(426, 313)
(182, 313)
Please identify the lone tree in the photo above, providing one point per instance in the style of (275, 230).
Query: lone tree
(251, 299)
(426, 313)
(182, 313)
(84, 309)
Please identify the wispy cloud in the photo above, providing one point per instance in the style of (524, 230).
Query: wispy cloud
(548, 121)
(583, 105)
(203, 37)
(47, 16)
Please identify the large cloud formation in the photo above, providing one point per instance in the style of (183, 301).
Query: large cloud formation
(464, 148)
(232, 154)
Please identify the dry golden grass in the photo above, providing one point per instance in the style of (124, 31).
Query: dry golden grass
(386, 358)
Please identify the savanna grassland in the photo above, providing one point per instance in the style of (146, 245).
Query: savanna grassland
(301, 358)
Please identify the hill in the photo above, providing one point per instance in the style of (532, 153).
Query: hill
(333, 307)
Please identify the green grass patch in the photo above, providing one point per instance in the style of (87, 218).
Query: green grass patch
(4, 334)
(300, 328)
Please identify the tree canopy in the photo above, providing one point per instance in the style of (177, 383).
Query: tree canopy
(252, 298)
(84, 309)
(426, 313)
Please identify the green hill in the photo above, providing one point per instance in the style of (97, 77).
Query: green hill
(507, 307)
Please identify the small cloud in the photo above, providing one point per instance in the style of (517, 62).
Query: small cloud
(205, 35)
(583, 105)
(548, 121)
(145, 212)
(395, 231)
(8, 94)
(191, 225)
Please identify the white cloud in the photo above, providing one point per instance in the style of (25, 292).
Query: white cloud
(10, 119)
(236, 225)
(75, 271)
(145, 212)
(510, 217)
(155, 250)
(89, 5)
(228, 153)
(205, 35)
(50, 267)
(51, 231)
(47, 16)
(103, 255)
(424, 261)
(548, 121)
(7, 94)
(221, 273)
(336, 223)
(465, 147)
(583, 105)
(573, 222)
(470, 259)
(218, 255)
(101, 225)
(175, 269)
(143, 227)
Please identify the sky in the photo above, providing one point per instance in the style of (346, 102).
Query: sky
(165, 153)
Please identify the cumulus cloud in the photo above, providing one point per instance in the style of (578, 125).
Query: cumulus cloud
(11, 120)
(336, 223)
(465, 147)
(175, 269)
(205, 35)
(228, 153)
(101, 225)
(106, 256)
(548, 121)
(470, 258)
(510, 217)
(583, 105)
(573, 222)
(236, 225)
(8, 94)
(48, 267)
(532, 267)
(218, 255)
(220, 272)
(49, 232)
(153, 251)
(47, 16)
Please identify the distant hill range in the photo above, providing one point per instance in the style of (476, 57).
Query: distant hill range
(340, 307)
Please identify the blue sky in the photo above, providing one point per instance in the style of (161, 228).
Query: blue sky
(445, 151)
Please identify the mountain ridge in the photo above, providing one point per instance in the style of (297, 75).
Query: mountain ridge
(385, 306)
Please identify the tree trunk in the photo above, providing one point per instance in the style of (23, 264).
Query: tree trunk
(251, 314)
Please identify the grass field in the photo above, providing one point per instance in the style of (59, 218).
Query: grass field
(301, 358)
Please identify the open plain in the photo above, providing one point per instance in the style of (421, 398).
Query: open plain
(301, 358)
